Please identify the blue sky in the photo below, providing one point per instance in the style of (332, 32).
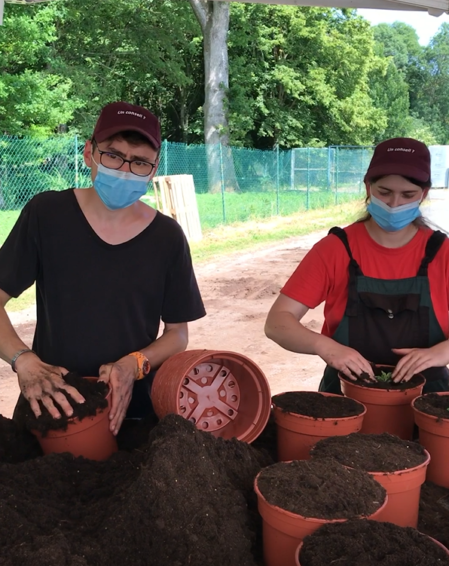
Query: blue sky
(426, 26)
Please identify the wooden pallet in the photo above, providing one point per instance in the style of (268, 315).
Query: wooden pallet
(175, 197)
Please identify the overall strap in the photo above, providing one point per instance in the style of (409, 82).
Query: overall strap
(354, 272)
(433, 246)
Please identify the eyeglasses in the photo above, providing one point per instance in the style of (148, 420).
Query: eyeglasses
(136, 166)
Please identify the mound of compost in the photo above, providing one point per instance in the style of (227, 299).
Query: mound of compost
(371, 452)
(93, 391)
(370, 543)
(184, 497)
(317, 405)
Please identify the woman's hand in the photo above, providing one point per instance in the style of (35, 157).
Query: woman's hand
(416, 360)
(121, 376)
(43, 382)
(345, 359)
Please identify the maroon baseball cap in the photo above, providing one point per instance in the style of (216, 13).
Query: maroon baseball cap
(120, 117)
(400, 156)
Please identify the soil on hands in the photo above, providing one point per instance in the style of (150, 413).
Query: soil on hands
(317, 405)
(371, 452)
(372, 544)
(93, 391)
(322, 489)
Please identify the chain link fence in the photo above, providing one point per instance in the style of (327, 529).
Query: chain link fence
(232, 184)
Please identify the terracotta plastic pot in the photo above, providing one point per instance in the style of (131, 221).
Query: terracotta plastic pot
(387, 410)
(434, 436)
(298, 551)
(283, 530)
(224, 393)
(296, 434)
(403, 489)
(89, 437)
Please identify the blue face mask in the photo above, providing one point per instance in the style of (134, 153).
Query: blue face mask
(393, 219)
(119, 189)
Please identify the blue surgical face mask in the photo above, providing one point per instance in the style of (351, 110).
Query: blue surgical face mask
(119, 189)
(393, 219)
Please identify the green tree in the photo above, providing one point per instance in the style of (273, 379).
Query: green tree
(34, 99)
(299, 76)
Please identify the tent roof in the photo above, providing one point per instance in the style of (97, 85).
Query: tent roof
(434, 7)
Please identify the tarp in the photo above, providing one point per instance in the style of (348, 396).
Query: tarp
(433, 7)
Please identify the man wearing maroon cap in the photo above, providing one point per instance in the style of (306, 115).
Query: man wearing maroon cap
(384, 281)
(108, 269)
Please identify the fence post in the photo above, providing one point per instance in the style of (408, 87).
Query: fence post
(329, 168)
(223, 204)
(337, 152)
(292, 170)
(165, 146)
(277, 179)
(76, 163)
(308, 179)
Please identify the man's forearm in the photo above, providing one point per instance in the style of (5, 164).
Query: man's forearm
(10, 343)
(172, 341)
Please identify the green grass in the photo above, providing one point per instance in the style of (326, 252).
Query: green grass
(256, 230)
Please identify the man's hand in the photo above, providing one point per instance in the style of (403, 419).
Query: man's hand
(39, 381)
(416, 360)
(345, 359)
(121, 375)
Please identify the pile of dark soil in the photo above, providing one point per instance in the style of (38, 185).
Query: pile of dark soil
(434, 404)
(371, 452)
(184, 497)
(93, 391)
(433, 517)
(317, 405)
(322, 489)
(371, 543)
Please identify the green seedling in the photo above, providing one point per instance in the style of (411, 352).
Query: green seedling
(385, 376)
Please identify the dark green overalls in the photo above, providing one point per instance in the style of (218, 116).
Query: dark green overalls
(382, 314)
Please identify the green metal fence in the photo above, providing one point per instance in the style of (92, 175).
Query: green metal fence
(252, 183)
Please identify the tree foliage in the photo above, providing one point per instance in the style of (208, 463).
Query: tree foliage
(298, 76)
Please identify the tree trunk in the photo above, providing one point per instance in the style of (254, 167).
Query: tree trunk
(214, 21)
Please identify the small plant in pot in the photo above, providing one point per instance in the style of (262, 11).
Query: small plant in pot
(296, 498)
(431, 413)
(305, 417)
(86, 433)
(361, 542)
(388, 404)
(399, 465)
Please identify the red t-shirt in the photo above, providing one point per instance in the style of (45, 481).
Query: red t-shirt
(322, 275)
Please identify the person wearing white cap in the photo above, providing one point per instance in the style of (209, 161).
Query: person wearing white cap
(384, 281)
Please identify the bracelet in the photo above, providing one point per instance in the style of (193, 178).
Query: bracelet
(17, 355)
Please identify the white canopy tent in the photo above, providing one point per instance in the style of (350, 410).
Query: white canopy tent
(433, 7)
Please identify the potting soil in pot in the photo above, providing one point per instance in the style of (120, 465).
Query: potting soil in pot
(361, 542)
(316, 405)
(184, 497)
(371, 452)
(322, 489)
(94, 393)
(365, 381)
(434, 404)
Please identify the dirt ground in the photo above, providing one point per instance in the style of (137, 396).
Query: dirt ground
(238, 291)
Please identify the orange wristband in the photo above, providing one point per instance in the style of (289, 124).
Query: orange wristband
(143, 365)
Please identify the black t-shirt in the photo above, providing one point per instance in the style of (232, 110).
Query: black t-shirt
(96, 302)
